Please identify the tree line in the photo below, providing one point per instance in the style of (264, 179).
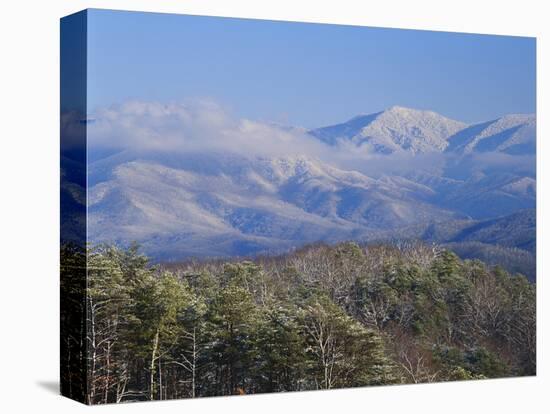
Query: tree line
(320, 317)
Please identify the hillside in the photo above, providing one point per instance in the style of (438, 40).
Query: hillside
(244, 188)
(508, 241)
(511, 134)
(395, 129)
(389, 314)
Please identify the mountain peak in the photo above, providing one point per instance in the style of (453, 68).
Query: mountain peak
(401, 109)
(512, 134)
(396, 110)
(393, 130)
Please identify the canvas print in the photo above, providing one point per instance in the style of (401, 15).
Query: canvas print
(253, 206)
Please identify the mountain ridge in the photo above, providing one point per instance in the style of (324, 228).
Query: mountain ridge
(219, 203)
(413, 130)
(416, 131)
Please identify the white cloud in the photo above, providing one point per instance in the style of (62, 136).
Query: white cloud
(205, 126)
(194, 126)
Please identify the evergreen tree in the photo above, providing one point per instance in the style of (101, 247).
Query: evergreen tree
(318, 318)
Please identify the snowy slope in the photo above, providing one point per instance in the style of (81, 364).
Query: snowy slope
(395, 129)
(222, 202)
(511, 134)
(247, 205)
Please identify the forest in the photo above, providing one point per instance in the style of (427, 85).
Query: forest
(320, 317)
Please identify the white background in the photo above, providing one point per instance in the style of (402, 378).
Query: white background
(29, 194)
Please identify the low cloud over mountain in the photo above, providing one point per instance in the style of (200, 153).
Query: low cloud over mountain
(190, 180)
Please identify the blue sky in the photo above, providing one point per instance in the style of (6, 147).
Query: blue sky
(305, 74)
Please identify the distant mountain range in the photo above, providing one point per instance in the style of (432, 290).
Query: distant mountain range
(472, 183)
(416, 131)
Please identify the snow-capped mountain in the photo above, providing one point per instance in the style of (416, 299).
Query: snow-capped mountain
(511, 134)
(395, 129)
(235, 205)
(404, 129)
(202, 202)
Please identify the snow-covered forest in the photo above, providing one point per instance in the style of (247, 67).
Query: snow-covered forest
(321, 317)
